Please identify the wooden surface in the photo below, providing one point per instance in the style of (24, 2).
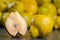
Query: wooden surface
(55, 35)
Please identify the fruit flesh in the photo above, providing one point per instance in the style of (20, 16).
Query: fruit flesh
(15, 23)
(23, 24)
(10, 27)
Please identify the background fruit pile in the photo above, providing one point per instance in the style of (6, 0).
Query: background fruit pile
(41, 16)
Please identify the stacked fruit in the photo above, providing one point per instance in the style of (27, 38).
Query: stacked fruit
(41, 16)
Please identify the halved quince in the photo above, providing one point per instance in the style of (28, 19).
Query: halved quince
(14, 23)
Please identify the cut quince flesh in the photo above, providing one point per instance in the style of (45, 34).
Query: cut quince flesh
(15, 23)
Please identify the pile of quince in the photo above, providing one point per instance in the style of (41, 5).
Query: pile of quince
(38, 17)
